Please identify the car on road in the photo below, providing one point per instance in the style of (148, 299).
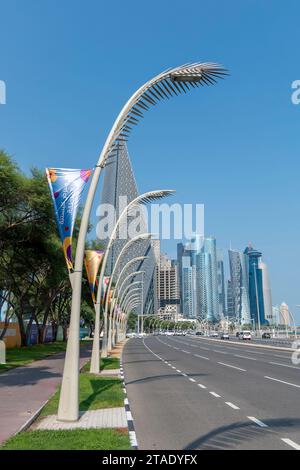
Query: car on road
(199, 333)
(214, 334)
(246, 335)
(239, 334)
(266, 335)
(224, 336)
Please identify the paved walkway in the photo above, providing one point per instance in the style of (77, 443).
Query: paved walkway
(106, 418)
(24, 390)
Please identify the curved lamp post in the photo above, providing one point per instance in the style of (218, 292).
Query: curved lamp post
(130, 263)
(141, 199)
(128, 290)
(95, 360)
(145, 236)
(165, 85)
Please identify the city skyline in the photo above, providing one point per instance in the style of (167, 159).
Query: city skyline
(247, 122)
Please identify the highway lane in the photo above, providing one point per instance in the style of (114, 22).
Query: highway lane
(187, 392)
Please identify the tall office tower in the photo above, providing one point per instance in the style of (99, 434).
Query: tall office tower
(230, 300)
(207, 280)
(267, 294)
(119, 188)
(188, 306)
(156, 252)
(239, 286)
(255, 283)
(168, 294)
(221, 284)
(284, 315)
(180, 253)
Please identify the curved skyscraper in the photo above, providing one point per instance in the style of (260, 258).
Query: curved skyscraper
(119, 188)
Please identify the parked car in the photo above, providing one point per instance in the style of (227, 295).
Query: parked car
(239, 334)
(224, 336)
(266, 335)
(199, 333)
(246, 335)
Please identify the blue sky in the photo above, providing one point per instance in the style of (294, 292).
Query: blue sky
(69, 66)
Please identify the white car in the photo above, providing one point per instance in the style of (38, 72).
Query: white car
(214, 334)
(246, 335)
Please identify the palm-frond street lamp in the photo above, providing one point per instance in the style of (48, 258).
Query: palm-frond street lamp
(171, 82)
(144, 198)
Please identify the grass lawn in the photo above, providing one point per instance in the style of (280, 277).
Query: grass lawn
(17, 357)
(107, 363)
(95, 393)
(78, 439)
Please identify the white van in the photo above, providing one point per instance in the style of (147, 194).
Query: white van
(246, 334)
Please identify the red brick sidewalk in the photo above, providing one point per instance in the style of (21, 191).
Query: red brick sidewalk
(24, 390)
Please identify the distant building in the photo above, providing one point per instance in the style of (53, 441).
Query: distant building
(221, 284)
(284, 315)
(188, 304)
(167, 286)
(267, 294)
(255, 283)
(240, 308)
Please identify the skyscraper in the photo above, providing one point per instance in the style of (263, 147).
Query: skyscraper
(239, 286)
(167, 288)
(267, 295)
(119, 187)
(221, 284)
(256, 297)
(188, 299)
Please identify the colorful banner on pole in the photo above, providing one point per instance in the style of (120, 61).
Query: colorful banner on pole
(105, 283)
(66, 186)
(92, 261)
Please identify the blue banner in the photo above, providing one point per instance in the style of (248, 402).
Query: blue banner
(66, 186)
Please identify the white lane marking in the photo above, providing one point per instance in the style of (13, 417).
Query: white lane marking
(173, 367)
(281, 381)
(201, 386)
(184, 375)
(177, 370)
(245, 357)
(284, 365)
(233, 367)
(291, 443)
(201, 357)
(258, 422)
(220, 352)
(186, 352)
(214, 394)
(192, 380)
(254, 352)
(232, 405)
(205, 349)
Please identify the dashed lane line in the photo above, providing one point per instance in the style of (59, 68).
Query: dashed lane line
(201, 357)
(282, 381)
(284, 365)
(291, 443)
(257, 421)
(214, 394)
(233, 367)
(245, 357)
(232, 405)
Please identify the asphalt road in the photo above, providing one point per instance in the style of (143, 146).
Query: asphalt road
(196, 393)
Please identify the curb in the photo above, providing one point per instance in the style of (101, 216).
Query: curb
(130, 423)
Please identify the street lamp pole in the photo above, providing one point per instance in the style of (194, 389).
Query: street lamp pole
(167, 84)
